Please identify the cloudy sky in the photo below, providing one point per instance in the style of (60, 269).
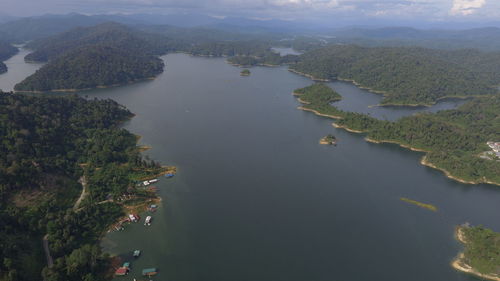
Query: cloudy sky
(430, 10)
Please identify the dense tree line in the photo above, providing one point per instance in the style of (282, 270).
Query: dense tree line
(454, 138)
(47, 144)
(269, 58)
(404, 75)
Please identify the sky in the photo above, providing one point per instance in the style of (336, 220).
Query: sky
(319, 10)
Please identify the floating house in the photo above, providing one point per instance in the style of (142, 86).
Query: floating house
(133, 217)
(121, 271)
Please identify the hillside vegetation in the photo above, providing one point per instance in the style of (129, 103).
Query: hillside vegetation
(406, 76)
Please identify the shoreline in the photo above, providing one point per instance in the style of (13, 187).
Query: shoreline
(459, 264)
(85, 89)
(423, 161)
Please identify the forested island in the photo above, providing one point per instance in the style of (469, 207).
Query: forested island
(405, 76)
(48, 145)
(451, 139)
(481, 256)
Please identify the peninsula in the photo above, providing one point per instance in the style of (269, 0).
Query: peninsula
(453, 140)
(481, 255)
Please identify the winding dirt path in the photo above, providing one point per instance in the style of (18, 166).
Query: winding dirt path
(83, 182)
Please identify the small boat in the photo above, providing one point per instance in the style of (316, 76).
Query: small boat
(137, 253)
(169, 175)
(153, 181)
(148, 220)
(153, 208)
(149, 271)
(126, 265)
(146, 183)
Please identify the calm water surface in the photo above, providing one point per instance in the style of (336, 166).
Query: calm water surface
(17, 70)
(258, 199)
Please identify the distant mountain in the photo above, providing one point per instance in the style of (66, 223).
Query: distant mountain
(26, 29)
(485, 38)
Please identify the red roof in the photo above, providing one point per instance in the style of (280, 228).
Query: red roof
(121, 271)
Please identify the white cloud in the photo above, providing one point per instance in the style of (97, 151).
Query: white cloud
(466, 7)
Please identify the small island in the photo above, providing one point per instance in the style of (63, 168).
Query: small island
(245, 72)
(481, 256)
(329, 140)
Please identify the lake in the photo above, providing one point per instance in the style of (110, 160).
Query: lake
(257, 197)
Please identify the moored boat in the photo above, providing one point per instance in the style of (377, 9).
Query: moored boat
(148, 220)
(137, 253)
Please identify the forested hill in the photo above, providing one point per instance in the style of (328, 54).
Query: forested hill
(91, 67)
(110, 34)
(6, 51)
(103, 55)
(406, 76)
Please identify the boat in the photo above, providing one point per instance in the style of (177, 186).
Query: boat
(137, 253)
(149, 271)
(153, 208)
(153, 181)
(146, 183)
(148, 220)
(169, 175)
(121, 271)
(126, 265)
